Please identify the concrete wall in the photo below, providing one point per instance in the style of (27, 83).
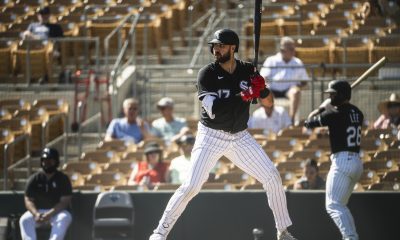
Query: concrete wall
(233, 215)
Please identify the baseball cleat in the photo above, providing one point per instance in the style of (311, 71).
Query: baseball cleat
(156, 236)
(285, 235)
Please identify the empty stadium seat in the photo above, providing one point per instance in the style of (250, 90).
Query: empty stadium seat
(283, 144)
(117, 145)
(390, 154)
(305, 154)
(13, 104)
(166, 186)
(124, 167)
(388, 47)
(233, 178)
(6, 63)
(85, 168)
(133, 156)
(295, 167)
(385, 186)
(76, 179)
(380, 167)
(100, 156)
(106, 179)
(217, 186)
(368, 177)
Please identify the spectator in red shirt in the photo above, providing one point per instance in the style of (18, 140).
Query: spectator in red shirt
(152, 170)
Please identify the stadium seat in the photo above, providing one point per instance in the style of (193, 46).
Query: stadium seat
(113, 216)
(100, 156)
(390, 154)
(395, 144)
(124, 167)
(378, 133)
(283, 144)
(318, 144)
(351, 50)
(295, 167)
(18, 127)
(85, 168)
(13, 104)
(107, 179)
(388, 47)
(294, 132)
(368, 177)
(76, 179)
(295, 28)
(166, 186)
(37, 118)
(380, 167)
(288, 178)
(6, 137)
(40, 60)
(372, 144)
(117, 145)
(238, 178)
(385, 186)
(5, 114)
(391, 176)
(217, 186)
(137, 155)
(305, 154)
(254, 186)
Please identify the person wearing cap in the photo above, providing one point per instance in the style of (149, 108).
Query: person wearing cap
(152, 170)
(48, 196)
(43, 29)
(225, 89)
(168, 127)
(131, 127)
(390, 113)
(286, 74)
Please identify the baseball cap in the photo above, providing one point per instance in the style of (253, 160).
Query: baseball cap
(165, 102)
(152, 147)
(44, 11)
(186, 139)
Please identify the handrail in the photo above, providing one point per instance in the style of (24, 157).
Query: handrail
(63, 137)
(210, 26)
(27, 158)
(96, 117)
(107, 41)
(117, 65)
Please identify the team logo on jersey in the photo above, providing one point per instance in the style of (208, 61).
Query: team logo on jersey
(243, 85)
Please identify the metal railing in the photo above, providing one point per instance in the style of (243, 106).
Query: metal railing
(63, 137)
(26, 159)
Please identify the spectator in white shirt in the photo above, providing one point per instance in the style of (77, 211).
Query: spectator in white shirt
(179, 166)
(269, 117)
(286, 74)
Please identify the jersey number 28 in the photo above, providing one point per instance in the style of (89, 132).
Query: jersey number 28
(353, 136)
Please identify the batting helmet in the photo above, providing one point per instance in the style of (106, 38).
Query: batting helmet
(225, 36)
(342, 90)
(50, 153)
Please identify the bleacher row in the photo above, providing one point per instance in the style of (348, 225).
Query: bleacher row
(109, 166)
(330, 32)
(86, 18)
(41, 121)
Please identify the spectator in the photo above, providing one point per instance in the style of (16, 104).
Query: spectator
(311, 178)
(168, 127)
(43, 29)
(390, 113)
(180, 166)
(269, 117)
(47, 197)
(286, 74)
(151, 171)
(129, 128)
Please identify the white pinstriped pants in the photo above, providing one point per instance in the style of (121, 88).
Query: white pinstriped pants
(243, 150)
(59, 225)
(344, 173)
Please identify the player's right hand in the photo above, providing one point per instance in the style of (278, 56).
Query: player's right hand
(249, 94)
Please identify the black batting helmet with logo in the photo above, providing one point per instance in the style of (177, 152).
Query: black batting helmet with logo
(50, 153)
(341, 88)
(225, 36)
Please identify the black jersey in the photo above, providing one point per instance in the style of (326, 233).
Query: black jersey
(46, 193)
(231, 112)
(344, 125)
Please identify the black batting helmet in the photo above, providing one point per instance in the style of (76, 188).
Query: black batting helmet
(340, 87)
(50, 153)
(225, 36)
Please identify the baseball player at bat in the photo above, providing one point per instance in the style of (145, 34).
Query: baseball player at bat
(344, 122)
(225, 88)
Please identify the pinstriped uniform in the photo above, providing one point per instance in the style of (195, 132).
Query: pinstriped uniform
(344, 123)
(226, 135)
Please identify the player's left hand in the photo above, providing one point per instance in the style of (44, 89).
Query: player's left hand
(257, 81)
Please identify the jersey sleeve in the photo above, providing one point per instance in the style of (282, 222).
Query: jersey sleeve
(204, 85)
(29, 189)
(67, 186)
(325, 118)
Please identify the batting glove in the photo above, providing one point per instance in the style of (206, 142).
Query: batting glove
(249, 94)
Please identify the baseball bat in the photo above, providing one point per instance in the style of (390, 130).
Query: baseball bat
(257, 29)
(369, 71)
(365, 75)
